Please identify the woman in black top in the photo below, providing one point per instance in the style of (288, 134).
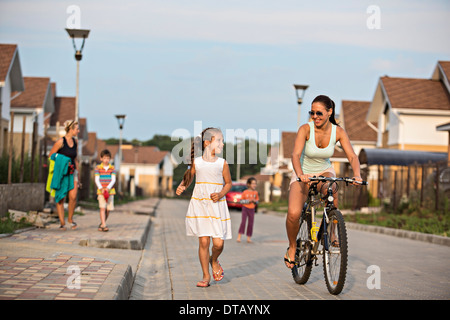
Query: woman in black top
(67, 146)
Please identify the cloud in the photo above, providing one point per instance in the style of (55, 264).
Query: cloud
(406, 25)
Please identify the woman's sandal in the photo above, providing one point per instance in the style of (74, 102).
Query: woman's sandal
(203, 284)
(73, 225)
(288, 260)
(219, 274)
(62, 227)
(104, 229)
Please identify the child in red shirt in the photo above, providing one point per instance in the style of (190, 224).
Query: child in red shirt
(249, 199)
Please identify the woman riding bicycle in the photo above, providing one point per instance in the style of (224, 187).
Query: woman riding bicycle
(314, 146)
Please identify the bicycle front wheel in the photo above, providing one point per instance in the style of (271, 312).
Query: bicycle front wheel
(335, 257)
(302, 269)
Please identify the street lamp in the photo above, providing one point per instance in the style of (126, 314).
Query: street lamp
(121, 120)
(82, 34)
(300, 92)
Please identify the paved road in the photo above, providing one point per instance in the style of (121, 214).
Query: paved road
(169, 268)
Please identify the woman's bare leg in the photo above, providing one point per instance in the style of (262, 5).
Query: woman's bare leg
(297, 197)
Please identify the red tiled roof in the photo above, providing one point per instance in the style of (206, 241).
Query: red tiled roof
(416, 93)
(288, 140)
(91, 145)
(64, 110)
(144, 155)
(354, 117)
(445, 66)
(6, 55)
(135, 154)
(34, 94)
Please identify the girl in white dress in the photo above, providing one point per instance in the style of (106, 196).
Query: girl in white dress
(208, 216)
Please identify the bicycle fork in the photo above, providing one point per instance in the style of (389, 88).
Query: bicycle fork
(319, 233)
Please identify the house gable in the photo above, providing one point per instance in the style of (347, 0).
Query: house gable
(403, 105)
(37, 95)
(10, 66)
(352, 117)
(442, 73)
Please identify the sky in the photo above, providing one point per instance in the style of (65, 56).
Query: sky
(174, 66)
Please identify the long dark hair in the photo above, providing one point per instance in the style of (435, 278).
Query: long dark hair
(328, 104)
(197, 148)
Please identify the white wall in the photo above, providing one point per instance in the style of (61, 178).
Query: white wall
(139, 169)
(416, 129)
(6, 99)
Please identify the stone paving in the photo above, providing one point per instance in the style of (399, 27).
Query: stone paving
(50, 278)
(147, 256)
(409, 269)
(50, 264)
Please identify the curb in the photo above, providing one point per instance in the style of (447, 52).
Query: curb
(413, 235)
(118, 284)
(135, 244)
(6, 235)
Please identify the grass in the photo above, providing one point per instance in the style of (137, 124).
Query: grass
(432, 223)
(9, 225)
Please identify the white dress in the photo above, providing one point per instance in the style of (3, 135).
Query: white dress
(204, 217)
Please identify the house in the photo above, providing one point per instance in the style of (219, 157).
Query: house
(30, 108)
(144, 170)
(362, 135)
(65, 110)
(446, 127)
(11, 81)
(407, 111)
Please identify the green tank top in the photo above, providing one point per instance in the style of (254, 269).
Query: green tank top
(313, 158)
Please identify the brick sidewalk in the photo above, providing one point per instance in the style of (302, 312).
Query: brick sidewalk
(41, 263)
(50, 278)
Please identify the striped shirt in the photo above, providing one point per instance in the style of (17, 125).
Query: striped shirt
(105, 177)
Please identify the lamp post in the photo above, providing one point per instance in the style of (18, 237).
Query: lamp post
(121, 120)
(82, 34)
(300, 92)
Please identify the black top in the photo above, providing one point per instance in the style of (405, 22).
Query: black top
(67, 151)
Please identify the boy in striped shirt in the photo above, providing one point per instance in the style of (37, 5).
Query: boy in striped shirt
(105, 178)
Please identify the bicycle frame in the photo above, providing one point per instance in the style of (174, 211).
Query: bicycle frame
(312, 201)
(317, 233)
(310, 236)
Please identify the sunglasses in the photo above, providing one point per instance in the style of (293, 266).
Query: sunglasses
(318, 113)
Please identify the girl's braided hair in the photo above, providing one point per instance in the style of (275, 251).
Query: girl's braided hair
(197, 148)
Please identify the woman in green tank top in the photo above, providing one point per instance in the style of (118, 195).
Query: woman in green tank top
(314, 146)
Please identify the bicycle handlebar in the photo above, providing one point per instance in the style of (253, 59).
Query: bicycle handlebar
(345, 179)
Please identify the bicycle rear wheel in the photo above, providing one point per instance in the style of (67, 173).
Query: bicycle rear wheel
(335, 257)
(302, 269)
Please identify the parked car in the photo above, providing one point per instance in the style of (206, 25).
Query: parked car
(234, 195)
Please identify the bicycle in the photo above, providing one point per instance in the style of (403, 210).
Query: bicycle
(331, 234)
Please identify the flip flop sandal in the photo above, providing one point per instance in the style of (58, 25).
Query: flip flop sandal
(335, 244)
(73, 225)
(62, 228)
(104, 229)
(203, 284)
(288, 260)
(219, 274)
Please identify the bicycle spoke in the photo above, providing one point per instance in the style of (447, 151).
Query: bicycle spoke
(335, 259)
